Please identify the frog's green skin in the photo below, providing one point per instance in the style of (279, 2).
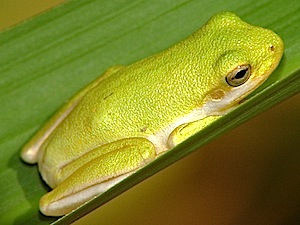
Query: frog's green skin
(132, 114)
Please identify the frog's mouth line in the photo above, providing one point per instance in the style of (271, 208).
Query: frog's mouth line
(231, 98)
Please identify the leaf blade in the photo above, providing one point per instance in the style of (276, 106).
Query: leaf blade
(35, 71)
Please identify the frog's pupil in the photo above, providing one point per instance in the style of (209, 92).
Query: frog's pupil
(241, 73)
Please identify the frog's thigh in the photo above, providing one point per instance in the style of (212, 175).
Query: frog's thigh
(185, 131)
(30, 150)
(98, 175)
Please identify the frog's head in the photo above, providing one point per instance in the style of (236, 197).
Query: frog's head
(248, 56)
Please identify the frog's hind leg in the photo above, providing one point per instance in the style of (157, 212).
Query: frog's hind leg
(95, 172)
(30, 150)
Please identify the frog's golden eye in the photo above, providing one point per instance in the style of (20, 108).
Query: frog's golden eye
(238, 76)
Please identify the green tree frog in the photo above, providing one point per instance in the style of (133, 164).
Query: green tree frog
(132, 114)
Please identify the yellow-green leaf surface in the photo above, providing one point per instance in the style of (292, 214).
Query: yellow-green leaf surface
(46, 60)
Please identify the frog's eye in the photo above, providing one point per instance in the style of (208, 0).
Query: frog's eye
(238, 76)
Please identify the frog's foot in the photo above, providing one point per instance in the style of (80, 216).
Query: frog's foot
(93, 177)
(184, 131)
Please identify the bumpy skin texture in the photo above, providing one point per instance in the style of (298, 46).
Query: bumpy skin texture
(132, 114)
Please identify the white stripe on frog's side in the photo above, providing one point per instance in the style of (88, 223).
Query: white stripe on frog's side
(210, 108)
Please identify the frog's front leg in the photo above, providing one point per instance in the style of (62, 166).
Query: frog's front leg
(30, 150)
(95, 172)
(184, 131)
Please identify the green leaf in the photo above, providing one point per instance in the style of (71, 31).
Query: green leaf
(46, 60)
